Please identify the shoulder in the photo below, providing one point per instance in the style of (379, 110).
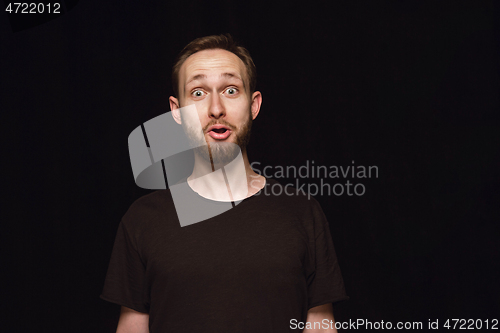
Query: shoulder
(286, 202)
(148, 208)
(294, 199)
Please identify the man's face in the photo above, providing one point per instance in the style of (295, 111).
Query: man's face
(216, 82)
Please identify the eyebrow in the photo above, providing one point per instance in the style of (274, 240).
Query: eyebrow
(226, 75)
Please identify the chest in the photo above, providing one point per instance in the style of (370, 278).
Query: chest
(257, 247)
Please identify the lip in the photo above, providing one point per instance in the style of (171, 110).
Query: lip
(219, 136)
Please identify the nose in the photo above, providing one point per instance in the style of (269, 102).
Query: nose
(216, 108)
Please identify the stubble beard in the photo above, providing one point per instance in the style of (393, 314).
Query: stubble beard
(219, 153)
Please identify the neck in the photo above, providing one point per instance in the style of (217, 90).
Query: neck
(232, 182)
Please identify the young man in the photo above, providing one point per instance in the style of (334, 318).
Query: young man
(266, 265)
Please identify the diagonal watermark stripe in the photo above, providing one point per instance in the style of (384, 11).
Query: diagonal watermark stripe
(162, 154)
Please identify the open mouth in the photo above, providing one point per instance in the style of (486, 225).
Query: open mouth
(219, 132)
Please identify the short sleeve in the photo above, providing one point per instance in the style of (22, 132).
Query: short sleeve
(325, 285)
(125, 279)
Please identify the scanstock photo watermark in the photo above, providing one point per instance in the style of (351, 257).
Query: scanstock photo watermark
(333, 180)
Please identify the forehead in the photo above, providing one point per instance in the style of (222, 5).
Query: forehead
(211, 62)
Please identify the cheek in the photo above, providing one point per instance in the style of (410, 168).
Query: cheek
(243, 109)
(191, 116)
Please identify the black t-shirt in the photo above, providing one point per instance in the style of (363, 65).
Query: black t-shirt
(253, 268)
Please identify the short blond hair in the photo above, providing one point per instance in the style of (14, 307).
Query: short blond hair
(224, 42)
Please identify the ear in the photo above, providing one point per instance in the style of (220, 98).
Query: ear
(174, 107)
(256, 103)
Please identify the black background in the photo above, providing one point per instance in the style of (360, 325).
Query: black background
(409, 86)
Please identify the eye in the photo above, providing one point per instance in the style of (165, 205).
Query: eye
(232, 91)
(197, 93)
